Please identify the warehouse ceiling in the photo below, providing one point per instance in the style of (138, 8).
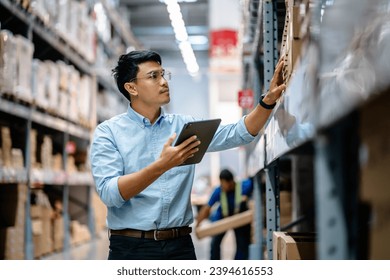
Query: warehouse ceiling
(150, 24)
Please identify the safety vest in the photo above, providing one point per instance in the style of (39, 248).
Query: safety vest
(237, 201)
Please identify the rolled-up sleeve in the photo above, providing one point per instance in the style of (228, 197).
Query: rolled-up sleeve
(231, 136)
(107, 166)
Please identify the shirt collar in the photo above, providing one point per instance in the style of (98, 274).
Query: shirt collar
(141, 120)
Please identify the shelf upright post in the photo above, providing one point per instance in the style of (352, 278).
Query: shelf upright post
(270, 43)
(65, 196)
(28, 236)
(336, 190)
(270, 46)
(91, 212)
(91, 188)
(256, 248)
(272, 204)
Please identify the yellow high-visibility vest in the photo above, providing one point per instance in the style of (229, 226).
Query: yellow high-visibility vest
(237, 201)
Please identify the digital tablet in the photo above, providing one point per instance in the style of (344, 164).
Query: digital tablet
(204, 130)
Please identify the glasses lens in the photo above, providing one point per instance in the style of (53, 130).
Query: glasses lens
(166, 75)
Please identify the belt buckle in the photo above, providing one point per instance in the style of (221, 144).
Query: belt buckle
(175, 234)
(155, 235)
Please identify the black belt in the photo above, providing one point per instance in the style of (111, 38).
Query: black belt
(158, 234)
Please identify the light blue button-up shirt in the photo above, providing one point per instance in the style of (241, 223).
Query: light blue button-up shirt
(129, 142)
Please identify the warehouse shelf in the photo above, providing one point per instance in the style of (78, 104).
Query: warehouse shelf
(305, 110)
(39, 177)
(53, 139)
(44, 119)
(121, 27)
(13, 176)
(50, 35)
(357, 72)
(106, 83)
(13, 108)
(292, 123)
(40, 132)
(321, 125)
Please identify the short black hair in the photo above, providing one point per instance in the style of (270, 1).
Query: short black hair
(127, 67)
(226, 174)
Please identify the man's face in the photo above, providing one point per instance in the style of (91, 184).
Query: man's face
(151, 88)
(227, 186)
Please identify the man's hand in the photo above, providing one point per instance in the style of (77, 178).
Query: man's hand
(276, 86)
(132, 184)
(174, 156)
(256, 119)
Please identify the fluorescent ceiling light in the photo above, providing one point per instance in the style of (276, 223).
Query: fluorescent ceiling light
(181, 36)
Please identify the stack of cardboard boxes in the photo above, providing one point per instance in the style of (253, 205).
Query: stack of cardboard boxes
(100, 211)
(68, 18)
(54, 87)
(79, 233)
(41, 220)
(11, 159)
(295, 34)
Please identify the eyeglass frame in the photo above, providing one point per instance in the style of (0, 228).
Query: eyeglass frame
(167, 75)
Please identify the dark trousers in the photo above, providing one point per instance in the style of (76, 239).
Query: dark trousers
(131, 248)
(242, 235)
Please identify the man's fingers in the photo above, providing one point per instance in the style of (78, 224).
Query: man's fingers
(171, 139)
(280, 88)
(188, 141)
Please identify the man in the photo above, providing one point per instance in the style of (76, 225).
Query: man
(232, 198)
(136, 167)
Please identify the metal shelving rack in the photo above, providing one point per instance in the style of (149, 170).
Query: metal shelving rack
(29, 116)
(52, 43)
(326, 114)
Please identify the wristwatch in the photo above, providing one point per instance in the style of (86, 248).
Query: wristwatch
(266, 106)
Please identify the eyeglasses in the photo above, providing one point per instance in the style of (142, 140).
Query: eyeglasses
(156, 76)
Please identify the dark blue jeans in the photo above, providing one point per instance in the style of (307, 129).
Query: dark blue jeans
(131, 248)
(242, 235)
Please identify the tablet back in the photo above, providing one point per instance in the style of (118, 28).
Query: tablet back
(204, 130)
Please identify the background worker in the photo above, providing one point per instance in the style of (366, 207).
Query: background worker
(232, 197)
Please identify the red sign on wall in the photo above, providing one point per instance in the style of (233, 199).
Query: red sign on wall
(245, 98)
(223, 42)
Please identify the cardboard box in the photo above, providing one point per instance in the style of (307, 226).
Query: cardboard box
(84, 96)
(225, 224)
(294, 246)
(6, 146)
(24, 54)
(58, 233)
(52, 86)
(47, 152)
(8, 61)
(39, 82)
(100, 212)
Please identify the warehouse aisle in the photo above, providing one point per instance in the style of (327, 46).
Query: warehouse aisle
(97, 249)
